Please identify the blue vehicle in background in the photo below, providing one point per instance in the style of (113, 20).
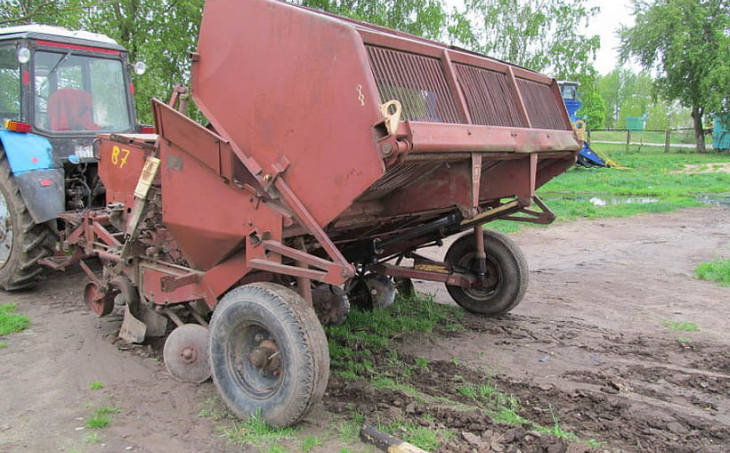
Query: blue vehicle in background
(58, 89)
(587, 157)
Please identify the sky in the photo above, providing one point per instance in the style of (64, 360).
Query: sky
(613, 14)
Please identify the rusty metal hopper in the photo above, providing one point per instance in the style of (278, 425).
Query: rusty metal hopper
(299, 89)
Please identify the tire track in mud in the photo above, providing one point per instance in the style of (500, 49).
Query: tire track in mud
(644, 393)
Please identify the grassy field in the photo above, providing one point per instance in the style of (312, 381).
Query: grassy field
(654, 182)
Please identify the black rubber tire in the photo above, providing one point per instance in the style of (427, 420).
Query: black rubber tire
(299, 337)
(31, 241)
(506, 258)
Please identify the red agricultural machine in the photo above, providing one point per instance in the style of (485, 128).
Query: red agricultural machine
(335, 151)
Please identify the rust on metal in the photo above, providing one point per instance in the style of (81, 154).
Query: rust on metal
(308, 174)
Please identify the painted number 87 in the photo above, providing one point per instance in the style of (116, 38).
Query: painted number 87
(119, 156)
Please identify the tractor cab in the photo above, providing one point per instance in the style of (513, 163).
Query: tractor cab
(569, 91)
(66, 85)
(58, 90)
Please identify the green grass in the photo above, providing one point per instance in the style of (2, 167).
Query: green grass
(387, 383)
(352, 344)
(595, 444)
(651, 174)
(310, 442)
(428, 439)
(716, 271)
(275, 448)
(255, 431)
(504, 408)
(556, 430)
(92, 438)
(3, 344)
(351, 428)
(96, 385)
(684, 340)
(11, 321)
(101, 418)
(681, 326)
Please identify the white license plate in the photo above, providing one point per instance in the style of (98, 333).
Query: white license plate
(85, 151)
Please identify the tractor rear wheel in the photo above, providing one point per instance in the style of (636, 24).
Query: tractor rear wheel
(268, 353)
(22, 241)
(506, 267)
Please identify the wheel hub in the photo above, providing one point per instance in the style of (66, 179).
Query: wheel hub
(266, 357)
(487, 282)
(188, 355)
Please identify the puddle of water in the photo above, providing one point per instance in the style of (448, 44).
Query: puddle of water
(715, 199)
(597, 201)
(605, 199)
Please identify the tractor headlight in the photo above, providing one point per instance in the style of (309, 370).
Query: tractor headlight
(140, 67)
(23, 55)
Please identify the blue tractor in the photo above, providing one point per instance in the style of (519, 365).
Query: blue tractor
(587, 157)
(58, 89)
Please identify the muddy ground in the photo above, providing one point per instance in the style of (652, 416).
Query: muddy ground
(587, 347)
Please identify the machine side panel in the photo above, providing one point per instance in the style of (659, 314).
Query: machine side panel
(286, 85)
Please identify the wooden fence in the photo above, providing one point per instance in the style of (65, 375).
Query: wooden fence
(669, 138)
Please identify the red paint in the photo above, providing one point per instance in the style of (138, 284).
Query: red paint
(34, 160)
(131, 87)
(147, 130)
(26, 78)
(298, 150)
(64, 45)
(45, 182)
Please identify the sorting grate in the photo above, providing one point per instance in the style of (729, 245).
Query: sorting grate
(417, 81)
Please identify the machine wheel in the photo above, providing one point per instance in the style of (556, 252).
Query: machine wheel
(22, 241)
(505, 261)
(404, 287)
(268, 353)
(373, 291)
(186, 353)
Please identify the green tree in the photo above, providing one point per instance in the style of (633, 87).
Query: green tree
(625, 94)
(687, 43)
(162, 33)
(426, 18)
(19, 12)
(543, 35)
(593, 109)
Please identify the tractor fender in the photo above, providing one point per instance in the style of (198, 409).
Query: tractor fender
(40, 180)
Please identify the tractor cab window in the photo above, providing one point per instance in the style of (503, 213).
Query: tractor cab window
(569, 91)
(79, 93)
(9, 84)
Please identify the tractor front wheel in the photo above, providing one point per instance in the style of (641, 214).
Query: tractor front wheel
(268, 353)
(22, 241)
(506, 269)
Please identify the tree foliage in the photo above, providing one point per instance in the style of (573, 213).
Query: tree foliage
(18, 12)
(162, 33)
(593, 110)
(543, 35)
(687, 44)
(426, 18)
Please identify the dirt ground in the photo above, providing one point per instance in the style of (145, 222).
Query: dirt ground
(588, 347)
